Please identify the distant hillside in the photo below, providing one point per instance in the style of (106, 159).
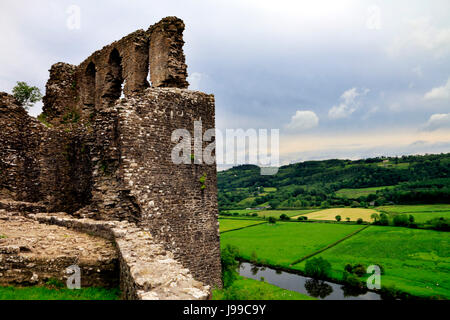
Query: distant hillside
(403, 180)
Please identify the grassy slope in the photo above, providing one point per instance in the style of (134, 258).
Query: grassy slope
(356, 193)
(415, 261)
(230, 224)
(283, 243)
(249, 289)
(44, 293)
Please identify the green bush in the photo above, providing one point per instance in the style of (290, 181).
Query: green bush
(338, 218)
(27, 96)
(360, 221)
(254, 215)
(317, 268)
(384, 219)
(351, 280)
(440, 224)
(229, 265)
(400, 220)
(272, 220)
(284, 217)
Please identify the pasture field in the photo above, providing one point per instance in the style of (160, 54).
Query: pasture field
(270, 189)
(415, 261)
(283, 243)
(421, 213)
(249, 289)
(241, 211)
(278, 213)
(231, 224)
(353, 213)
(356, 193)
(46, 293)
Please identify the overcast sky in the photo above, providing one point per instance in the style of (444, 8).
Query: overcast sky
(340, 79)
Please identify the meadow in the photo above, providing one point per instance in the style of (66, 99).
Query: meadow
(353, 213)
(285, 242)
(47, 293)
(415, 261)
(232, 224)
(421, 213)
(249, 289)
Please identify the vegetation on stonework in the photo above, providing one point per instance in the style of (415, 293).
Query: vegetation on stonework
(26, 95)
(43, 119)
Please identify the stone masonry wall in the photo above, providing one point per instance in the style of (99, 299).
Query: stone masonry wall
(136, 175)
(104, 152)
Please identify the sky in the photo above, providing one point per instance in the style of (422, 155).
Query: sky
(339, 79)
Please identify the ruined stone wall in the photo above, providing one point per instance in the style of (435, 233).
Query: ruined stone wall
(137, 179)
(123, 67)
(105, 157)
(20, 137)
(40, 164)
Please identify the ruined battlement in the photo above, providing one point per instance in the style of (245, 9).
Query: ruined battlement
(102, 148)
(120, 68)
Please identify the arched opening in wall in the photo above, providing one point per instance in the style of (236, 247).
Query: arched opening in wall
(89, 85)
(114, 78)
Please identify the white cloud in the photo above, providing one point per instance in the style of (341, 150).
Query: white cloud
(418, 71)
(303, 120)
(195, 79)
(439, 93)
(437, 121)
(422, 34)
(350, 103)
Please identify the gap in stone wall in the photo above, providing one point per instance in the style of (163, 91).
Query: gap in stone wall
(114, 78)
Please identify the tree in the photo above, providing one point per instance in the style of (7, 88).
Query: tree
(27, 96)
(338, 218)
(229, 265)
(317, 268)
(375, 217)
(272, 220)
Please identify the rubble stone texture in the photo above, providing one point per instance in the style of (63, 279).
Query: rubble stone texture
(103, 152)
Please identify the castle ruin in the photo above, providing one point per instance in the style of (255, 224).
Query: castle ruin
(98, 161)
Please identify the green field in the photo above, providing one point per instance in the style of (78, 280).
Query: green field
(241, 211)
(231, 224)
(249, 289)
(421, 213)
(278, 213)
(44, 293)
(283, 243)
(356, 193)
(415, 261)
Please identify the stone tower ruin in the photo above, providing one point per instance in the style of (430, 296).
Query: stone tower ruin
(101, 152)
